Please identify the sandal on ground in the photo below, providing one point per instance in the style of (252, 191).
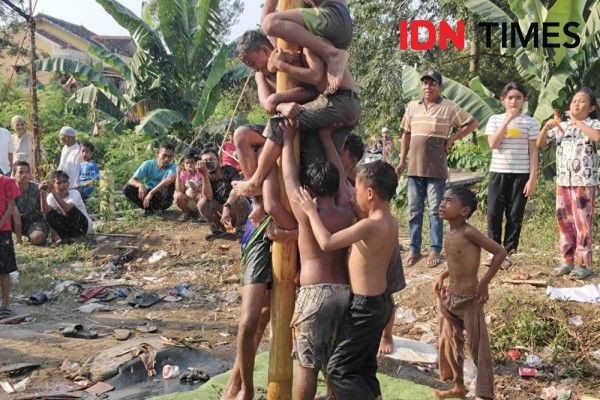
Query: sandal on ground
(564, 269)
(77, 331)
(580, 273)
(184, 217)
(215, 235)
(412, 259)
(6, 313)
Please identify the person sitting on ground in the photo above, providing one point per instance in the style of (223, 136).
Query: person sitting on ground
(70, 157)
(22, 141)
(28, 218)
(228, 153)
(89, 173)
(8, 262)
(222, 208)
(324, 293)
(577, 180)
(460, 304)
(188, 185)
(325, 29)
(153, 184)
(353, 365)
(64, 209)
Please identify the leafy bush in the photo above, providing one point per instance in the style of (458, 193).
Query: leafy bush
(466, 155)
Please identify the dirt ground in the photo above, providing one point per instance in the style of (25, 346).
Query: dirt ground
(208, 319)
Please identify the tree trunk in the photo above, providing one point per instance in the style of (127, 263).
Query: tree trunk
(37, 151)
(284, 258)
(474, 50)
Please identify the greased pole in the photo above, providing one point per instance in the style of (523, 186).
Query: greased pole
(284, 257)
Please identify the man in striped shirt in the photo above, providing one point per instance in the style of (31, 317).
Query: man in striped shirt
(426, 141)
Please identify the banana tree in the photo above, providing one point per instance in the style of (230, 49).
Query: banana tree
(175, 76)
(556, 72)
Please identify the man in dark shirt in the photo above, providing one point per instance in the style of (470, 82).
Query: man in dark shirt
(28, 219)
(219, 205)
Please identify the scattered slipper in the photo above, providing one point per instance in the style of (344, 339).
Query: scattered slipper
(182, 290)
(412, 259)
(18, 369)
(77, 331)
(126, 257)
(38, 299)
(121, 292)
(91, 307)
(171, 299)
(580, 273)
(90, 293)
(122, 334)
(146, 328)
(144, 300)
(194, 375)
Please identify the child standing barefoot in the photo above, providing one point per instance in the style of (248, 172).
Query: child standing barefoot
(461, 302)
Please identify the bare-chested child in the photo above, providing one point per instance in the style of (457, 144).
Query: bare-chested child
(353, 365)
(324, 28)
(461, 302)
(324, 293)
(328, 111)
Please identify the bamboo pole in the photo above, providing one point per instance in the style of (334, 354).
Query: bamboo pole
(35, 121)
(284, 258)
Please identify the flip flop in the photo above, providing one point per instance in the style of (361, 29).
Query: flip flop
(146, 328)
(18, 369)
(580, 273)
(144, 300)
(563, 269)
(122, 334)
(90, 293)
(412, 259)
(77, 331)
(38, 299)
(6, 313)
(433, 262)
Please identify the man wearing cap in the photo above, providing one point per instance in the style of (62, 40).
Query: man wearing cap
(69, 156)
(426, 141)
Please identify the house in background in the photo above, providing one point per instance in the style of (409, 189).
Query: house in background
(57, 38)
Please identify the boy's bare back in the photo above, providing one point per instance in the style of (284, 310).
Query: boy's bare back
(463, 256)
(370, 257)
(319, 266)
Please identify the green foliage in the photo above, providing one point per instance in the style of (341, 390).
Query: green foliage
(466, 155)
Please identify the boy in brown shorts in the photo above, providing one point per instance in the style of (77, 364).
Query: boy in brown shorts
(325, 28)
(324, 292)
(353, 365)
(461, 302)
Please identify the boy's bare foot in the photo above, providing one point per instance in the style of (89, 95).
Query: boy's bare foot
(457, 392)
(386, 345)
(246, 188)
(433, 259)
(336, 65)
(229, 394)
(245, 395)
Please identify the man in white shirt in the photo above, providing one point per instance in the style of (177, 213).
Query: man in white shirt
(69, 156)
(6, 156)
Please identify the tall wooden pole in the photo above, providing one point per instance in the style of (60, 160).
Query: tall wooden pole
(35, 121)
(284, 255)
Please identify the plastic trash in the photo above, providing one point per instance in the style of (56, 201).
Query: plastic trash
(533, 361)
(16, 388)
(526, 372)
(170, 371)
(576, 320)
(406, 315)
(14, 277)
(514, 354)
(157, 256)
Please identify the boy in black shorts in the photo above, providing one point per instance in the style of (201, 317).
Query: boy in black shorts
(8, 263)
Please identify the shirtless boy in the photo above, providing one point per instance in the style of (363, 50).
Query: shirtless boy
(461, 302)
(325, 28)
(352, 367)
(324, 293)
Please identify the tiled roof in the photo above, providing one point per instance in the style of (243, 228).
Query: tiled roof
(116, 44)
